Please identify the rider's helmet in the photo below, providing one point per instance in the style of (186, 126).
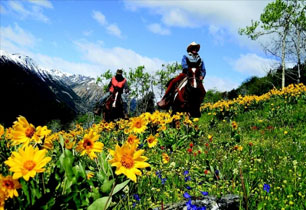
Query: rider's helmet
(119, 71)
(119, 77)
(193, 46)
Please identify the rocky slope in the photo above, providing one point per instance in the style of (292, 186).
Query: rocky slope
(42, 95)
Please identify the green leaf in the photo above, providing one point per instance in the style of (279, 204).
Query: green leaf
(101, 177)
(25, 190)
(81, 170)
(100, 204)
(66, 160)
(62, 142)
(247, 187)
(260, 206)
(107, 185)
(119, 187)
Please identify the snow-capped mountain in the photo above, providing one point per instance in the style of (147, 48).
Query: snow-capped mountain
(22, 78)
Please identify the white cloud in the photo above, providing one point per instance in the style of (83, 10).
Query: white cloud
(158, 29)
(114, 30)
(253, 65)
(35, 12)
(17, 35)
(98, 58)
(219, 84)
(42, 3)
(177, 17)
(17, 40)
(226, 12)
(227, 15)
(218, 34)
(18, 7)
(117, 57)
(66, 66)
(111, 28)
(48, 62)
(99, 17)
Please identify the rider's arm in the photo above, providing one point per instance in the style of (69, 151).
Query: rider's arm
(126, 87)
(203, 70)
(110, 84)
(184, 63)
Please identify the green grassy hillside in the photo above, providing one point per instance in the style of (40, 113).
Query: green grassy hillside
(252, 146)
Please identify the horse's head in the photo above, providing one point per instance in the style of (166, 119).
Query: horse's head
(193, 75)
(116, 98)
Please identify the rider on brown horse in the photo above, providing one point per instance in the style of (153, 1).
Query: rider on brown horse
(117, 83)
(191, 60)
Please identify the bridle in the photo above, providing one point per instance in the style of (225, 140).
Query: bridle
(115, 100)
(184, 82)
(194, 79)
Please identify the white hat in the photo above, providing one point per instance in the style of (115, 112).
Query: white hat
(192, 45)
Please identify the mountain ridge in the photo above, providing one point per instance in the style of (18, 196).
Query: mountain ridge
(23, 78)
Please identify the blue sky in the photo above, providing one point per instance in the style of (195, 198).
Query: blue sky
(89, 37)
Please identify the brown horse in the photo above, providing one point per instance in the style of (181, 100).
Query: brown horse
(189, 94)
(112, 108)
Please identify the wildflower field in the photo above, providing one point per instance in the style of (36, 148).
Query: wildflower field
(253, 147)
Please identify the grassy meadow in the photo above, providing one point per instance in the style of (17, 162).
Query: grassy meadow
(252, 146)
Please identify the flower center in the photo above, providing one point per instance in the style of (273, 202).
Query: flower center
(150, 140)
(29, 165)
(8, 184)
(138, 124)
(30, 132)
(131, 139)
(87, 144)
(127, 161)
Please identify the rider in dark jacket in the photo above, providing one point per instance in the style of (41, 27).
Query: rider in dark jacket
(191, 60)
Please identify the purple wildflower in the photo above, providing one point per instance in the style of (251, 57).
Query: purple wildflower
(188, 187)
(187, 178)
(266, 188)
(136, 197)
(204, 193)
(186, 195)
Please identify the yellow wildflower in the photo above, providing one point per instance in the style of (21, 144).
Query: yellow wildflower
(3, 197)
(48, 143)
(127, 160)
(152, 141)
(234, 125)
(166, 158)
(1, 130)
(132, 139)
(9, 185)
(89, 144)
(24, 132)
(195, 119)
(138, 125)
(90, 174)
(27, 162)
